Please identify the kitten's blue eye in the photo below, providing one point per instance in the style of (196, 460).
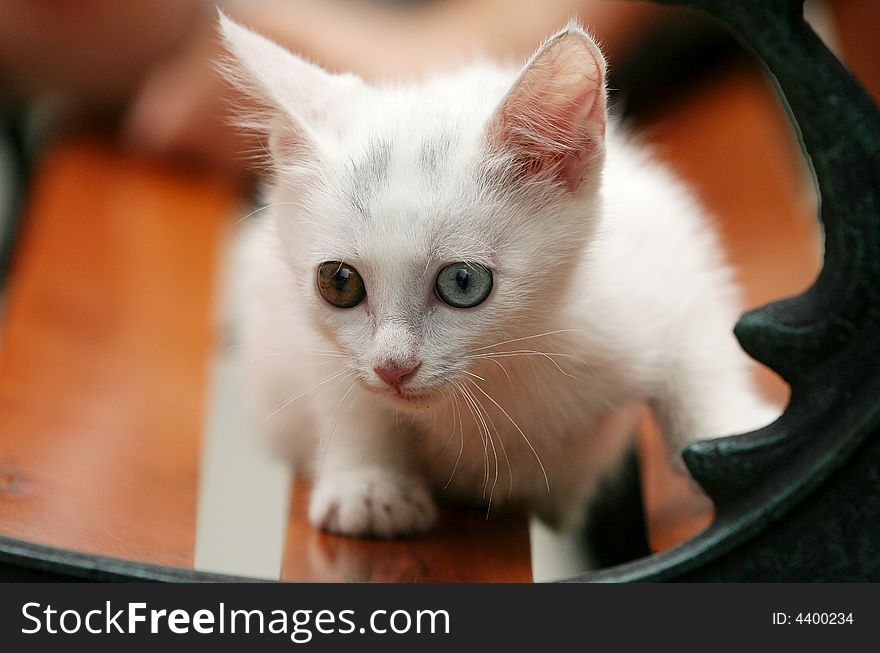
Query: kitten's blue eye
(464, 285)
(340, 284)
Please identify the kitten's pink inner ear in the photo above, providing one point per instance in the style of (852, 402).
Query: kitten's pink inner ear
(553, 119)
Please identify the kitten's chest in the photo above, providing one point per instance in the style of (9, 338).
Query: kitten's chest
(509, 436)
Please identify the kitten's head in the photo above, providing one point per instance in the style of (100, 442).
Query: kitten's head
(428, 223)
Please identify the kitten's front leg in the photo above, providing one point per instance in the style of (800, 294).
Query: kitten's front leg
(365, 484)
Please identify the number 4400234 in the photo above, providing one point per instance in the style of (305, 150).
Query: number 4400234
(824, 618)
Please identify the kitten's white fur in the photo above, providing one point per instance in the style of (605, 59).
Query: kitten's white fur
(610, 289)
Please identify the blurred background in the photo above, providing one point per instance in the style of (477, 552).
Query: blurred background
(121, 179)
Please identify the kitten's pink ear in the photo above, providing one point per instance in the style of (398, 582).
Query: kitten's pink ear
(296, 95)
(552, 121)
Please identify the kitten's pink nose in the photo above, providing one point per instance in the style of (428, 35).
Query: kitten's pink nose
(394, 374)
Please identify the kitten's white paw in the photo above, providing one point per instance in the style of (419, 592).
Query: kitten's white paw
(372, 503)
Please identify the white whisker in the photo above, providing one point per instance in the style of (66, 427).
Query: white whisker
(446, 396)
(237, 447)
(324, 444)
(530, 352)
(503, 451)
(263, 208)
(487, 441)
(537, 335)
(503, 369)
(314, 386)
(273, 354)
(461, 440)
(516, 426)
(478, 422)
(494, 452)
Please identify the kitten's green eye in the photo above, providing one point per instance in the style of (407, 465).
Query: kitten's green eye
(340, 284)
(464, 285)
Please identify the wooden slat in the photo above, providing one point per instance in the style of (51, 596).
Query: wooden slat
(858, 23)
(105, 342)
(466, 547)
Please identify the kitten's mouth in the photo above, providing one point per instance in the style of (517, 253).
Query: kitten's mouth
(410, 397)
(405, 396)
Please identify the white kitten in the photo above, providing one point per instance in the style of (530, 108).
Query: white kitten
(467, 288)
